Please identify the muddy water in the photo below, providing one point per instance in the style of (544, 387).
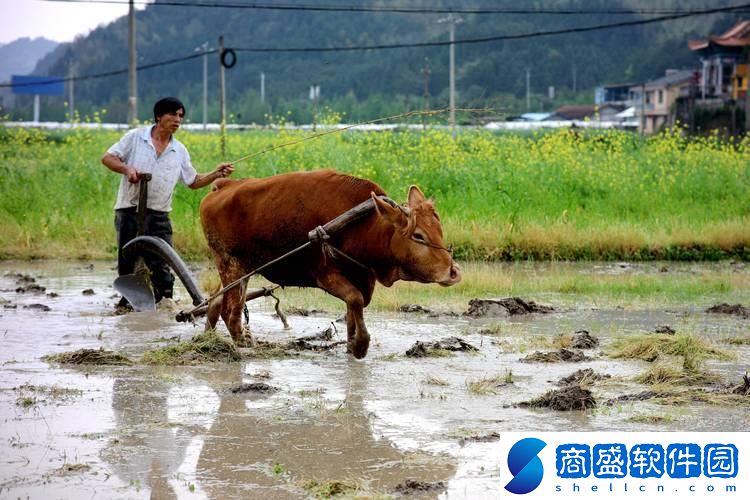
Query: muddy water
(181, 432)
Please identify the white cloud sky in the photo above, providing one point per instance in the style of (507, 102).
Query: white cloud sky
(58, 21)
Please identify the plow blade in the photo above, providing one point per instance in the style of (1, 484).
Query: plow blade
(136, 288)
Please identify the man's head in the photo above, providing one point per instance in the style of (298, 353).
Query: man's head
(167, 105)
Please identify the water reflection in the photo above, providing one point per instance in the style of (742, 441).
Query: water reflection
(196, 436)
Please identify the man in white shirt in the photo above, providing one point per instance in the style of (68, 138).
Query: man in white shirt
(153, 150)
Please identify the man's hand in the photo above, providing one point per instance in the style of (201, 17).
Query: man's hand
(115, 164)
(224, 169)
(132, 174)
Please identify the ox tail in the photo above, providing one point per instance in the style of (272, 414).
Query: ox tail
(219, 183)
(161, 248)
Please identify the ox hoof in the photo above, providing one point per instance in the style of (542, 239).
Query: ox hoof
(358, 349)
(245, 340)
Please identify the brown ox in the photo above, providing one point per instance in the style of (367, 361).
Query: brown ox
(250, 222)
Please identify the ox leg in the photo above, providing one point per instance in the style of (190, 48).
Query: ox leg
(232, 302)
(358, 339)
(213, 313)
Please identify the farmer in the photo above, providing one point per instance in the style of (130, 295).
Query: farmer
(154, 150)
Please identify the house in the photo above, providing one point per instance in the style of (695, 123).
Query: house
(724, 63)
(628, 118)
(654, 99)
(529, 117)
(613, 94)
(603, 113)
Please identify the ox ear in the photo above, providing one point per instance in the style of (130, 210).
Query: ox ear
(385, 210)
(416, 196)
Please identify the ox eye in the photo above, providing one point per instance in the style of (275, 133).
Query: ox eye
(419, 237)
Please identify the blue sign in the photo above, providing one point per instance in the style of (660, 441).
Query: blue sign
(37, 85)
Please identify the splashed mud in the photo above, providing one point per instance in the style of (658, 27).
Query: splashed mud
(296, 417)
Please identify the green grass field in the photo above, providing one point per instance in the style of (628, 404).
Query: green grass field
(554, 195)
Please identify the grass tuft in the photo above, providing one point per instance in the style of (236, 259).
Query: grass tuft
(89, 357)
(205, 347)
(650, 419)
(663, 374)
(486, 386)
(430, 380)
(330, 489)
(651, 347)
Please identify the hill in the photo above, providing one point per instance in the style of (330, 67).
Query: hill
(20, 56)
(371, 83)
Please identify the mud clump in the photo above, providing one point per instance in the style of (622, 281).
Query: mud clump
(486, 438)
(413, 486)
(744, 389)
(512, 306)
(256, 387)
(734, 310)
(317, 343)
(38, 307)
(414, 308)
(439, 347)
(569, 398)
(88, 291)
(639, 396)
(32, 288)
(298, 311)
(320, 342)
(582, 339)
(89, 357)
(587, 376)
(21, 279)
(561, 355)
(664, 329)
(68, 469)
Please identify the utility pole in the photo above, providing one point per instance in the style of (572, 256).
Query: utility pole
(37, 105)
(132, 76)
(575, 77)
(71, 91)
(643, 108)
(222, 107)
(204, 49)
(262, 87)
(452, 22)
(426, 94)
(205, 85)
(314, 95)
(528, 90)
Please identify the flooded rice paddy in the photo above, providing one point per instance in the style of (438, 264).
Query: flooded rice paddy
(316, 424)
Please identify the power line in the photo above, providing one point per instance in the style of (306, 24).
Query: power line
(397, 10)
(397, 46)
(111, 73)
(536, 34)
